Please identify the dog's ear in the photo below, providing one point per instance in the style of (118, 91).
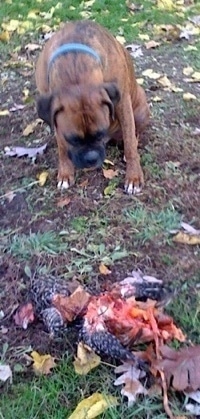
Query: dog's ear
(44, 108)
(113, 93)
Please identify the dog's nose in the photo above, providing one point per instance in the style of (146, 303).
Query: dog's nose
(91, 157)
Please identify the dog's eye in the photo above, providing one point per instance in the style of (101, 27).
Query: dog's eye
(100, 135)
(74, 140)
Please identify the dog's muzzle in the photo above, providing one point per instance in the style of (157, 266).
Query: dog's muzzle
(90, 157)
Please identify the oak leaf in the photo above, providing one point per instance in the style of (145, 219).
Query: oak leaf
(181, 368)
(131, 378)
(73, 306)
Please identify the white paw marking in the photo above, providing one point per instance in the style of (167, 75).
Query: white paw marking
(63, 184)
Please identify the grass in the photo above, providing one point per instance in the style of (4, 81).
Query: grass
(122, 232)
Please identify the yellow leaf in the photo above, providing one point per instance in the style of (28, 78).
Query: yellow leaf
(121, 39)
(164, 81)
(11, 26)
(88, 3)
(157, 99)
(31, 127)
(151, 74)
(4, 36)
(42, 363)
(140, 81)
(196, 76)
(165, 4)
(151, 44)
(190, 48)
(93, 406)
(185, 238)
(109, 190)
(86, 359)
(176, 89)
(106, 161)
(4, 112)
(110, 173)
(103, 269)
(42, 177)
(85, 14)
(189, 96)
(33, 14)
(143, 36)
(187, 71)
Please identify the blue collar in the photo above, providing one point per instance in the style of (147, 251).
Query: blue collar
(66, 48)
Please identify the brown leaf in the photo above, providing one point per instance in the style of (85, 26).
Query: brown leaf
(86, 359)
(181, 367)
(110, 173)
(103, 269)
(72, 306)
(151, 44)
(131, 378)
(24, 315)
(63, 202)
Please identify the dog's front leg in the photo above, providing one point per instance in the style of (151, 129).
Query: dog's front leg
(65, 168)
(134, 174)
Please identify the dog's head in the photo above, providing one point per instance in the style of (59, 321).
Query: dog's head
(81, 116)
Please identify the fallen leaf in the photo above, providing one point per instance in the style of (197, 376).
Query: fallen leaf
(5, 373)
(164, 81)
(189, 96)
(63, 202)
(73, 306)
(42, 363)
(110, 189)
(93, 406)
(4, 36)
(134, 50)
(165, 4)
(11, 26)
(196, 76)
(181, 368)
(31, 127)
(104, 270)
(194, 395)
(157, 99)
(24, 151)
(106, 161)
(131, 378)
(110, 173)
(16, 107)
(190, 229)
(32, 47)
(187, 71)
(5, 112)
(121, 39)
(152, 44)
(24, 315)
(9, 195)
(140, 81)
(185, 238)
(143, 36)
(84, 183)
(151, 74)
(86, 359)
(42, 178)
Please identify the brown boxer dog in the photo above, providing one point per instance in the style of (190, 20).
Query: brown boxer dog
(88, 91)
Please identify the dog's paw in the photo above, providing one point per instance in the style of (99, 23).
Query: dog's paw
(65, 180)
(134, 181)
(63, 184)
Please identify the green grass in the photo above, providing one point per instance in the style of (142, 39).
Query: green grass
(149, 224)
(35, 244)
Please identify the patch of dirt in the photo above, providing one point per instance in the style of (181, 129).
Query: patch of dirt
(170, 155)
